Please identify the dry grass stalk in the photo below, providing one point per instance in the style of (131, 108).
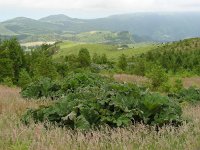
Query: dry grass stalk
(131, 78)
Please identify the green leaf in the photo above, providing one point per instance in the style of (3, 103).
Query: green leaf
(81, 123)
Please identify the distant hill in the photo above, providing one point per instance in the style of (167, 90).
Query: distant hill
(22, 25)
(5, 31)
(144, 26)
(108, 37)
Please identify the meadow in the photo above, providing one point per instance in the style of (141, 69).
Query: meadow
(16, 136)
(112, 51)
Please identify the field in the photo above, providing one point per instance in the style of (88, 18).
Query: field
(15, 136)
(112, 51)
(32, 44)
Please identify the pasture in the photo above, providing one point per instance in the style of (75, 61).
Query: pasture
(112, 51)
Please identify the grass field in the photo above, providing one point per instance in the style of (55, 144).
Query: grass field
(111, 51)
(32, 44)
(16, 136)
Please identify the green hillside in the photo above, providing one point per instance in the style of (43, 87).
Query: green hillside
(112, 51)
(124, 37)
(5, 31)
(22, 25)
(182, 56)
(183, 45)
(159, 27)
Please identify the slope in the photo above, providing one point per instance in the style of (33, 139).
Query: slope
(112, 51)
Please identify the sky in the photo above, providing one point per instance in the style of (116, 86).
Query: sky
(90, 8)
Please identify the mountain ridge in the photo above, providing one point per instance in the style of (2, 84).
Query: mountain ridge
(156, 26)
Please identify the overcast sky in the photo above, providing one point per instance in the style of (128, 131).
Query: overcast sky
(90, 8)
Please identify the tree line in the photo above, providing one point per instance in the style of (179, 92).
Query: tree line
(20, 67)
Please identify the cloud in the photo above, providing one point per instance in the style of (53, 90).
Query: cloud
(102, 4)
(91, 8)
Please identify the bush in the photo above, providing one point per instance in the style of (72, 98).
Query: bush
(157, 75)
(84, 58)
(8, 82)
(24, 78)
(165, 87)
(91, 100)
(42, 88)
(122, 63)
(178, 85)
(47, 88)
(191, 95)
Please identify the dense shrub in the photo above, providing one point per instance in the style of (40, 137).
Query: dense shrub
(84, 58)
(189, 95)
(47, 88)
(24, 78)
(8, 82)
(175, 60)
(157, 75)
(42, 88)
(91, 100)
(122, 62)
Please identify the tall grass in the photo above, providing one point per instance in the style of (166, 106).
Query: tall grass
(16, 136)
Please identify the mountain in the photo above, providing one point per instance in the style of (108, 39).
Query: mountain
(160, 27)
(144, 26)
(5, 31)
(60, 20)
(22, 25)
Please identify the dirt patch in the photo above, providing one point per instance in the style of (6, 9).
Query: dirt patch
(131, 78)
(192, 81)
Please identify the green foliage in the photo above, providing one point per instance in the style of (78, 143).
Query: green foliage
(15, 55)
(6, 68)
(43, 66)
(47, 88)
(191, 95)
(104, 59)
(84, 58)
(157, 75)
(8, 81)
(11, 59)
(111, 51)
(176, 57)
(24, 78)
(139, 67)
(99, 59)
(62, 69)
(122, 63)
(166, 87)
(42, 88)
(158, 109)
(91, 100)
(178, 85)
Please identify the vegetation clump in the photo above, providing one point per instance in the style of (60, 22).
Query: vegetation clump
(191, 95)
(91, 101)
